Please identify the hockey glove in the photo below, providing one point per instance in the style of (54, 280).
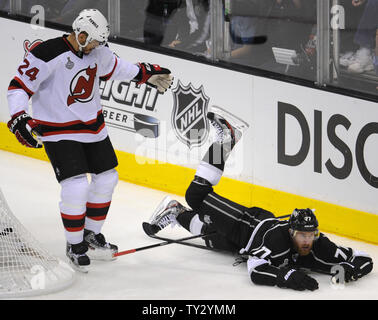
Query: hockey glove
(23, 126)
(155, 76)
(361, 265)
(350, 272)
(297, 280)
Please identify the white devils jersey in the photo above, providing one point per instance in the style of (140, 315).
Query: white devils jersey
(65, 89)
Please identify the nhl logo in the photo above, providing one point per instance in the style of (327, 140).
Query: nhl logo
(189, 114)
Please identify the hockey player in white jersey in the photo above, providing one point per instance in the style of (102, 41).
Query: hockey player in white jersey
(62, 75)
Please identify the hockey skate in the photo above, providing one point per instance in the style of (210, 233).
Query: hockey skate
(98, 248)
(77, 255)
(165, 214)
(229, 128)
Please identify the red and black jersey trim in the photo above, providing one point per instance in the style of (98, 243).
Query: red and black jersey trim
(93, 126)
(52, 48)
(73, 223)
(109, 75)
(17, 83)
(97, 211)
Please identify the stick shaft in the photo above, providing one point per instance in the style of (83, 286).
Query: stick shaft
(189, 244)
(168, 241)
(122, 253)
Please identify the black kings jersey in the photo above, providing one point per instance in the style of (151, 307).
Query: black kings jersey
(271, 248)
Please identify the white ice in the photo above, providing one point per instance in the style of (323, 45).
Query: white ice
(165, 273)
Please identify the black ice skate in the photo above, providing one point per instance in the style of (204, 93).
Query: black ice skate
(164, 215)
(229, 128)
(98, 248)
(77, 255)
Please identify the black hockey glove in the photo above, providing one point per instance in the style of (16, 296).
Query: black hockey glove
(23, 126)
(155, 76)
(295, 279)
(360, 266)
(350, 272)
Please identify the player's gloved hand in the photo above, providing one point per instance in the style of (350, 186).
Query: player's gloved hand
(359, 266)
(154, 75)
(350, 271)
(23, 126)
(297, 280)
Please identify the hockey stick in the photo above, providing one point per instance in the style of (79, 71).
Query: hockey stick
(180, 241)
(166, 242)
(151, 232)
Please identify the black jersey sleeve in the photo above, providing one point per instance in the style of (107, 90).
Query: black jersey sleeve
(268, 251)
(262, 272)
(326, 254)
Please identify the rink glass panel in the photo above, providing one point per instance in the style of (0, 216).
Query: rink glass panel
(307, 41)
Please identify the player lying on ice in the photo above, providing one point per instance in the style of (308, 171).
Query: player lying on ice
(63, 75)
(278, 251)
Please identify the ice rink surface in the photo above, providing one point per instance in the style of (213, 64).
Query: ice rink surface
(172, 272)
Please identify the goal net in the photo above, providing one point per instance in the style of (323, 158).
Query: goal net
(26, 268)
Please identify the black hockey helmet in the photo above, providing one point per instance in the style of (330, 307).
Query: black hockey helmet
(303, 220)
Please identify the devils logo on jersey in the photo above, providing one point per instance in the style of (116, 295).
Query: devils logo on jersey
(81, 87)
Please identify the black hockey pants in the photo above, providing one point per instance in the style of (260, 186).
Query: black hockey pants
(233, 222)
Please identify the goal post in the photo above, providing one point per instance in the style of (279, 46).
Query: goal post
(26, 268)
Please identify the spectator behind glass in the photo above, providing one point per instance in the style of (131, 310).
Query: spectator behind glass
(133, 14)
(365, 59)
(291, 24)
(159, 14)
(191, 26)
(69, 9)
(247, 31)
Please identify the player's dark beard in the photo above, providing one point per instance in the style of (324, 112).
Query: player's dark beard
(303, 250)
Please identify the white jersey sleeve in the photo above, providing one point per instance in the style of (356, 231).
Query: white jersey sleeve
(30, 74)
(115, 68)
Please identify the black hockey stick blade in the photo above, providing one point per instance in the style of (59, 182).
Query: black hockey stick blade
(150, 229)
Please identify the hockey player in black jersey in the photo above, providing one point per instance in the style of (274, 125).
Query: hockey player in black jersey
(278, 252)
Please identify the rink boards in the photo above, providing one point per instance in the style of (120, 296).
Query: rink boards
(304, 147)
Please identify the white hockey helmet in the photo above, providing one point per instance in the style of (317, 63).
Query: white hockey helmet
(92, 22)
